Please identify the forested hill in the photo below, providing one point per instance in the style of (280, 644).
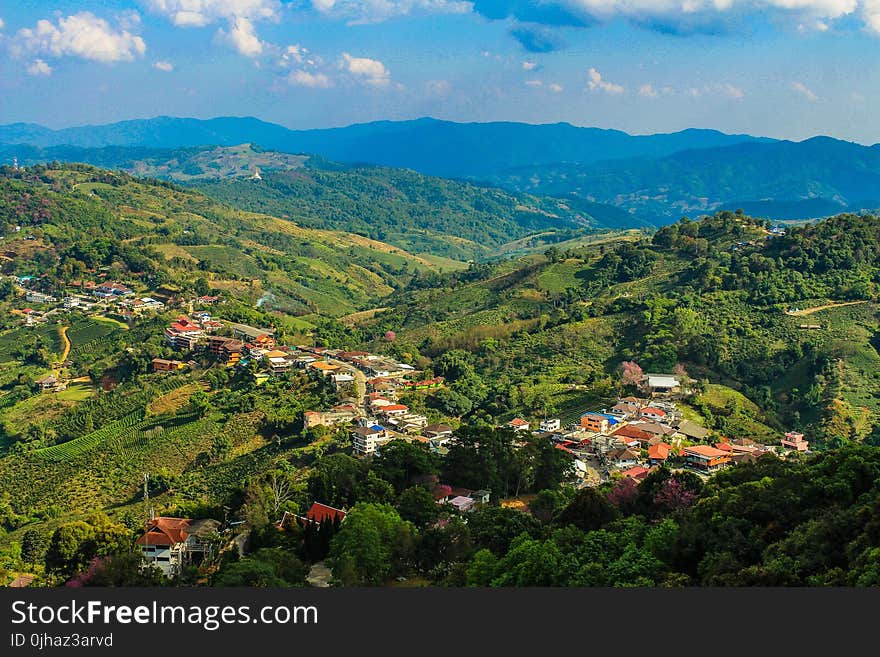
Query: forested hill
(422, 214)
(74, 218)
(781, 180)
(780, 329)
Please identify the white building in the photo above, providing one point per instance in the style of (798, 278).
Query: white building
(550, 425)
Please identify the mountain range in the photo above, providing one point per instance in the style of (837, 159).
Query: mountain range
(651, 179)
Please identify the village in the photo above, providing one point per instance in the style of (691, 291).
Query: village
(637, 434)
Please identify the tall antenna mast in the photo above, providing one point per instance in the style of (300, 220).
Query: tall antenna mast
(147, 494)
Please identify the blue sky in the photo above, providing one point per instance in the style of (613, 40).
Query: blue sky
(782, 68)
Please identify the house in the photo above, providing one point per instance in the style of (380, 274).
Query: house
(163, 365)
(706, 458)
(324, 368)
(653, 413)
(327, 418)
(366, 440)
(171, 543)
(622, 457)
(794, 440)
(393, 410)
(635, 433)
(628, 407)
(340, 380)
(637, 473)
(658, 453)
(517, 424)
(107, 290)
(319, 513)
(437, 431)
(47, 382)
(436, 382)
(654, 428)
(692, 430)
(146, 303)
(550, 425)
(463, 504)
(278, 361)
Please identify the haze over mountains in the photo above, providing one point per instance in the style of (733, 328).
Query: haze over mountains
(655, 179)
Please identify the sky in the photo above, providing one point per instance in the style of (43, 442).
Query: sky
(780, 68)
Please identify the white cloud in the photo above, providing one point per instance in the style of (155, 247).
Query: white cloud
(597, 83)
(529, 66)
(243, 37)
(730, 90)
(198, 13)
(167, 67)
(648, 91)
(555, 88)
(804, 91)
(534, 83)
(373, 11)
(301, 78)
(2, 24)
(371, 71)
(80, 35)
(438, 87)
(39, 67)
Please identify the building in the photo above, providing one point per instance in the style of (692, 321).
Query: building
(366, 440)
(171, 543)
(706, 458)
(550, 425)
(319, 513)
(692, 430)
(436, 431)
(107, 290)
(598, 422)
(653, 413)
(227, 349)
(163, 365)
(518, 424)
(49, 382)
(637, 473)
(184, 334)
(661, 385)
(659, 453)
(38, 297)
(324, 368)
(794, 440)
(252, 333)
(278, 362)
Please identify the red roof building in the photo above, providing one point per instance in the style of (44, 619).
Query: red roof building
(659, 452)
(636, 473)
(163, 531)
(321, 513)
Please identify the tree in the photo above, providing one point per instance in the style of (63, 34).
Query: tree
(33, 546)
(495, 527)
(630, 373)
(401, 463)
(417, 505)
(589, 510)
(373, 543)
(74, 545)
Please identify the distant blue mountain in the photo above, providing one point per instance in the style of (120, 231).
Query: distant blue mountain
(430, 146)
(653, 179)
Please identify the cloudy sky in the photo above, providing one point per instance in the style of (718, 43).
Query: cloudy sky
(782, 68)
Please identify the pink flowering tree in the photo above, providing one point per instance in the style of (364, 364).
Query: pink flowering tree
(630, 373)
(624, 493)
(674, 496)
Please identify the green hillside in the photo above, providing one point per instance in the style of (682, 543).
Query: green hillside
(83, 218)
